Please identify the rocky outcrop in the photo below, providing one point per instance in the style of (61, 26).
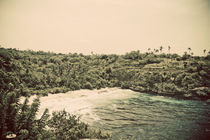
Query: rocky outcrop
(199, 93)
(138, 88)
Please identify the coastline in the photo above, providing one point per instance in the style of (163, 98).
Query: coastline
(200, 94)
(81, 102)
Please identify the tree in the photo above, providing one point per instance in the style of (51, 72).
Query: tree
(161, 49)
(134, 55)
(149, 49)
(189, 49)
(88, 85)
(65, 126)
(185, 56)
(163, 79)
(156, 50)
(18, 119)
(188, 82)
(169, 48)
(204, 51)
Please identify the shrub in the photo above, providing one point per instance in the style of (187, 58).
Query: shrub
(88, 85)
(125, 85)
(62, 125)
(18, 121)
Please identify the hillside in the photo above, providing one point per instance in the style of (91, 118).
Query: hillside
(31, 72)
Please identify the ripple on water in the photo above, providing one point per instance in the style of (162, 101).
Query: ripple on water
(147, 116)
(130, 114)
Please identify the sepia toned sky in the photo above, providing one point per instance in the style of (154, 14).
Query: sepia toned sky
(105, 26)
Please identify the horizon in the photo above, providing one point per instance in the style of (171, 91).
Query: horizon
(93, 53)
(106, 26)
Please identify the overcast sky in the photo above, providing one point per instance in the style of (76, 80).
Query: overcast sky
(105, 26)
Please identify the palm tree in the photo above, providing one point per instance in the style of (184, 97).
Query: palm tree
(156, 50)
(161, 48)
(204, 51)
(189, 49)
(169, 48)
(149, 49)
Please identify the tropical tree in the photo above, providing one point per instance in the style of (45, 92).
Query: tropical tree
(149, 49)
(18, 119)
(169, 48)
(161, 49)
(204, 51)
(156, 50)
(189, 49)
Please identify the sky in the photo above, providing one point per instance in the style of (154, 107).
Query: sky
(105, 26)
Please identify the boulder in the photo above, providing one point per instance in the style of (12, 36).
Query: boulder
(138, 88)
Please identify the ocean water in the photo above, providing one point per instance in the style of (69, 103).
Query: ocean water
(145, 116)
(128, 114)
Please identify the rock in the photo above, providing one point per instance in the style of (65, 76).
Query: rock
(11, 136)
(199, 88)
(201, 93)
(138, 88)
(187, 95)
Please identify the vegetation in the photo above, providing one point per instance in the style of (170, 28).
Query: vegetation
(24, 73)
(18, 120)
(41, 73)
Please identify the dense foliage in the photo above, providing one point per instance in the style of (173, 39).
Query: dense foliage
(24, 73)
(45, 72)
(18, 120)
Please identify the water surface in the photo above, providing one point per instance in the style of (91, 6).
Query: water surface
(136, 115)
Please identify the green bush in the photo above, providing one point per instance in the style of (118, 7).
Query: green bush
(18, 120)
(88, 85)
(125, 85)
(64, 126)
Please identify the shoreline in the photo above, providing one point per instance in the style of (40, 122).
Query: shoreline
(81, 102)
(193, 95)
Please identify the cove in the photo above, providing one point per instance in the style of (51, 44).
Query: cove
(129, 114)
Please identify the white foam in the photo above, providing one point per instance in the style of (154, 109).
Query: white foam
(82, 102)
